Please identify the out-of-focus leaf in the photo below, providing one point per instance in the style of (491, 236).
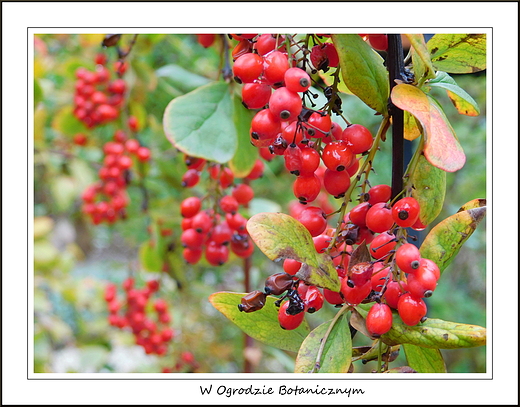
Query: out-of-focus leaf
(458, 53)
(42, 226)
(261, 325)
(66, 123)
(447, 237)
(363, 71)
(64, 191)
(200, 123)
(441, 147)
(424, 360)
(429, 188)
(38, 93)
(245, 156)
(149, 257)
(337, 352)
(180, 78)
(280, 236)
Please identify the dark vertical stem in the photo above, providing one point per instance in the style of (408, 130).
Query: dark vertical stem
(249, 342)
(395, 64)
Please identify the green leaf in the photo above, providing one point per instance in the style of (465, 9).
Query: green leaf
(337, 352)
(433, 333)
(180, 78)
(462, 101)
(447, 237)
(200, 123)
(245, 156)
(149, 257)
(458, 53)
(429, 188)
(66, 123)
(441, 147)
(280, 236)
(363, 71)
(424, 360)
(261, 325)
(422, 64)
(38, 93)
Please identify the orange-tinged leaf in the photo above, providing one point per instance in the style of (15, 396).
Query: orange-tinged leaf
(441, 147)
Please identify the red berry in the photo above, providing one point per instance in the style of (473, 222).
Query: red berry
(411, 309)
(284, 104)
(405, 212)
(297, 80)
(143, 154)
(319, 124)
(266, 43)
(337, 156)
(248, 67)
(336, 183)
(379, 193)
(275, 66)
(358, 138)
(358, 213)
(291, 266)
(310, 160)
(257, 171)
(393, 292)
(355, 295)
(378, 41)
(379, 319)
(265, 126)
(382, 244)
(190, 206)
(206, 40)
(216, 255)
(307, 188)
(256, 95)
(313, 299)
(288, 321)
(379, 218)
(190, 178)
(422, 283)
(243, 193)
(407, 258)
(314, 220)
(228, 204)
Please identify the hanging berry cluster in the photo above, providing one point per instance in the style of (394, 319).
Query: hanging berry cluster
(368, 246)
(98, 99)
(212, 225)
(106, 200)
(136, 312)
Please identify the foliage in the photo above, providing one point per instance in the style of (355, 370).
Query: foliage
(185, 108)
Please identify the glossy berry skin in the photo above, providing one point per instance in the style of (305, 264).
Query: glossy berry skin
(243, 193)
(405, 212)
(394, 290)
(333, 297)
(216, 255)
(276, 64)
(379, 319)
(206, 40)
(310, 161)
(190, 206)
(256, 95)
(291, 266)
(313, 299)
(306, 188)
(318, 125)
(379, 218)
(358, 214)
(293, 159)
(431, 265)
(287, 321)
(337, 156)
(378, 41)
(297, 80)
(284, 104)
(381, 245)
(228, 204)
(248, 67)
(314, 220)
(324, 56)
(422, 283)
(264, 128)
(336, 183)
(358, 138)
(379, 193)
(355, 295)
(411, 309)
(407, 257)
(266, 43)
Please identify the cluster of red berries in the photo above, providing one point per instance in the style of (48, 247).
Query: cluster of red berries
(284, 126)
(397, 277)
(220, 228)
(106, 200)
(136, 313)
(98, 98)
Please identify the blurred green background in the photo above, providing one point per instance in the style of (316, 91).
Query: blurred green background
(74, 260)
